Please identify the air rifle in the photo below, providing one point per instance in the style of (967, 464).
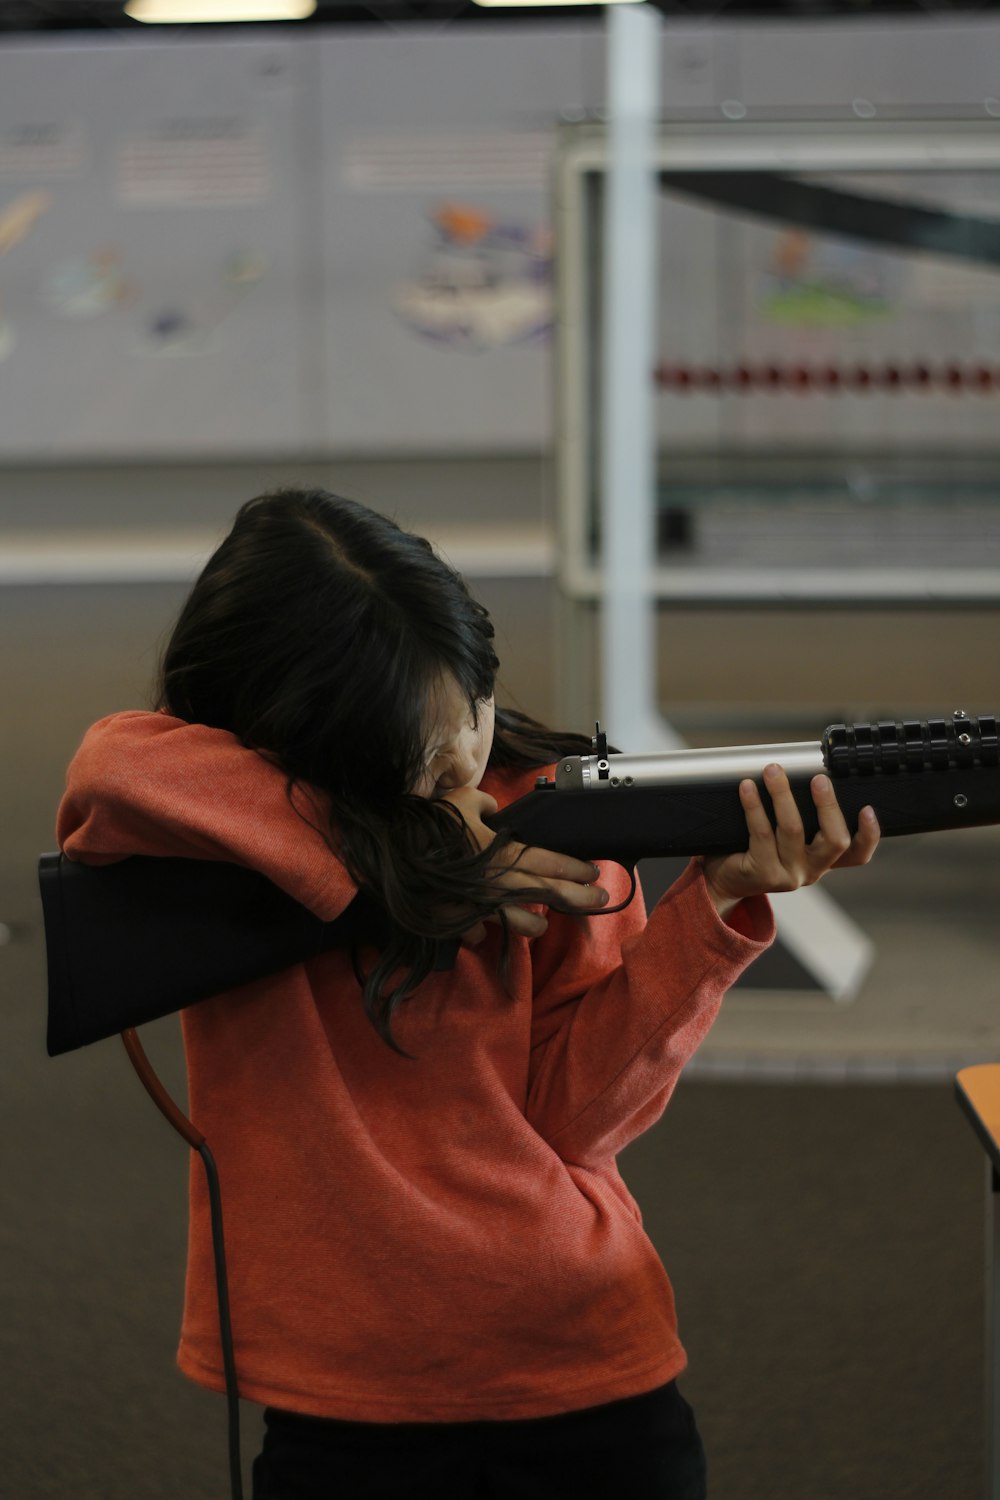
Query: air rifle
(129, 942)
(920, 776)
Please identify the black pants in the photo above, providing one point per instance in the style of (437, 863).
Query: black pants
(644, 1448)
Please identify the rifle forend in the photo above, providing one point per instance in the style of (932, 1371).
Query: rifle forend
(919, 775)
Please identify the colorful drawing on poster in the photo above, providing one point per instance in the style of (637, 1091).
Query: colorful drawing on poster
(17, 219)
(170, 330)
(89, 285)
(484, 284)
(824, 283)
(176, 328)
(244, 269)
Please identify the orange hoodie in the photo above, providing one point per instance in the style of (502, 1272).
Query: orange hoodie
(442, 1238)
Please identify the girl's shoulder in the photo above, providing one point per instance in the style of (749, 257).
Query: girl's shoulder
(130, 727)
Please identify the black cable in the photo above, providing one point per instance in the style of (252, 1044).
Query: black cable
(190, 1133)
(225, 1325)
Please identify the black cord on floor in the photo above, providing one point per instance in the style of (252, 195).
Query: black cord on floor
(225, 1326)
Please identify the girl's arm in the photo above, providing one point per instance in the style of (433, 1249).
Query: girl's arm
(619, 1010)
(146, 783)
(607, 1057)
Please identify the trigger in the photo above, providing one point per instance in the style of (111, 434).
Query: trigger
(607, 911)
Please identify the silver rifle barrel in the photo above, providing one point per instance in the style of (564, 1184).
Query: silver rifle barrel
(684, 767)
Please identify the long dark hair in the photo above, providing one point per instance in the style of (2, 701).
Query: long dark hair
(316, 634)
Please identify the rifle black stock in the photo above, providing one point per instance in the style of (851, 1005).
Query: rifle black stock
(194, 928)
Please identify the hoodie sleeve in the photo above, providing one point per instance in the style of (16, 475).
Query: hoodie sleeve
(620, 1006)
(146, 783)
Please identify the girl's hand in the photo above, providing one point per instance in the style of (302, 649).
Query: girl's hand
(779, 859)
(569, 882)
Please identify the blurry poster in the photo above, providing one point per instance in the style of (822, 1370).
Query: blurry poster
(278, 245)
(876, 327)
(437, 158)
(342, 243)
(150, 250)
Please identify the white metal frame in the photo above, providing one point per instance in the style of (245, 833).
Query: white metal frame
(627, 581)
(799, 145)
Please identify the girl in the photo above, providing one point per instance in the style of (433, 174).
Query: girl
(440, 1285)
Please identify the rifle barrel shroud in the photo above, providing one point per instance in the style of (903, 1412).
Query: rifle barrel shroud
(920, 776)
(129, 942)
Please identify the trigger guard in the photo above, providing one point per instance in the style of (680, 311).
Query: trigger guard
(609, 911)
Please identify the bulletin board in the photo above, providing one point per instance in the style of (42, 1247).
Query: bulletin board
(150, 251)
(342, 243)
(280, 245)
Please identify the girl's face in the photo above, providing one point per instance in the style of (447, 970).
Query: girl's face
(457, 747)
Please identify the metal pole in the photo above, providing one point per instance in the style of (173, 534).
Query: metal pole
(821, 936)
(628, 458)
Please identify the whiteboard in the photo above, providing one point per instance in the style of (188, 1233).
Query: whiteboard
(150, 250)
(337, 243)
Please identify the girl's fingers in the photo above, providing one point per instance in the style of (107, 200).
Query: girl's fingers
(777, 857)
(864, 842)
(788, 819)
(834, 836)
(523, 920)
(473, 805)
(550, 865)
(474, 935)
(570, 882)
(758, 822)
(843, 850)
(565, 894)
(781, 844)
(785, 844)
(520, 919)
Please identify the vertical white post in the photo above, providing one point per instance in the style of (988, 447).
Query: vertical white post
(822, 937)
(628, 457)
